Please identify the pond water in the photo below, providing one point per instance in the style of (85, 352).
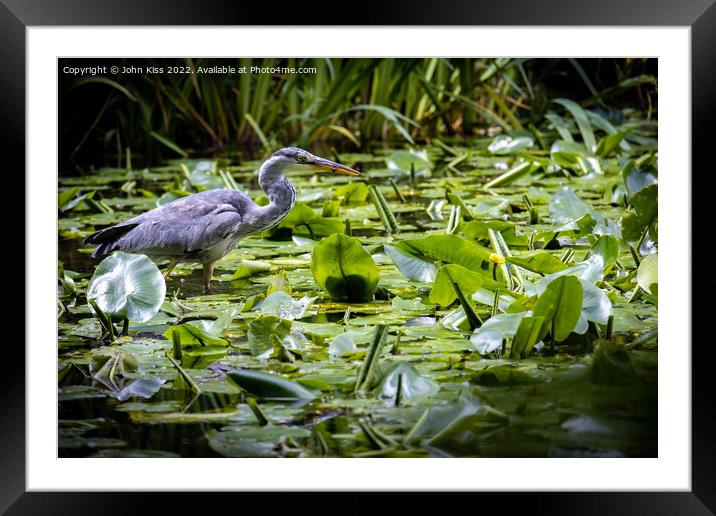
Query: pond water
(579, 398)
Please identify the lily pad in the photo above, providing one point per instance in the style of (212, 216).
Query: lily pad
(506, 144)
(410, 265)
(560, 305)
(262, 329)
(269, 386)
(402, 377)
(344, 269)
(127, 286)
(203, 332)
(648, 274)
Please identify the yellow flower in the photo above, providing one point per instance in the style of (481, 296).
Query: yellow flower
(494, 258)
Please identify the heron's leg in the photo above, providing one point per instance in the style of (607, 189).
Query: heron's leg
(208, 272)
(169, 270)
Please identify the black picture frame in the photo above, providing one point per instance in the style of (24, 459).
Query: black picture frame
(17, 15)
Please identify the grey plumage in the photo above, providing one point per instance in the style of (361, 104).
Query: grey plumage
(180, 229)
(204, 227)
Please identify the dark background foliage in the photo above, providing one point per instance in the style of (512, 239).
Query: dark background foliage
(347, 103)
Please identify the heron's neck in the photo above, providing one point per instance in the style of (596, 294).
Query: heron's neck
(280, 191)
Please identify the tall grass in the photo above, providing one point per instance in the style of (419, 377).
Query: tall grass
(348, 102)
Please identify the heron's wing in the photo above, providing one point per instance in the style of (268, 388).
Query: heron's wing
(178, 229)
(183, 233)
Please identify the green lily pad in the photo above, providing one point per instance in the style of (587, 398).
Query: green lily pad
(648, 275)
(443, 292)
(269, 386)
(262, 329)
(203, 332)
(560, 305)
(449, 249)
(344, 269)
(542, 262)
(404, 378)
(410, 265)
(506, 144)
(127, 286)
(253, 442)
(403, 161)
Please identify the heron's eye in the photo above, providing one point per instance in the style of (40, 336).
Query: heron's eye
(302, 158)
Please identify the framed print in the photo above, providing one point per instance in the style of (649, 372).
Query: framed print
(430, 243)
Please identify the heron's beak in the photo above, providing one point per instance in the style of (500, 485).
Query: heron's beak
(334, 167)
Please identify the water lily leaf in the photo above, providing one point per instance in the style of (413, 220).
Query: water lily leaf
(443, 293)
(566, 208)
(304, 242)
(279, 283)
(269, 386)
(141, 388)
(203, 176)
(284, 306)
(299, 214)
(342, 344)
(67, 201)
(344, 269)
(636, 180)
(410, 265)
(320, 226)
(443, 422)
(262, 329)
(107, 364)
(303, 220)
(352, 192)
(193, 333)
(595, 302)
(648, 275)
(645, 203)
(542, 262)
(410, 306)
(127, 286)
(596, 305)
(449, 249)
(505, 144)
(527, 336)
(331, 208)
(509, 373)
(202, 332)
(65, 283)
(560, 305)
(403, 376)
(202, 357)
(248, 268)
(487, 297)
(575, 156)
(402, 161)
(253, 442)
(479, 230)
(281, 350)
(488, 337)
(590, 270)
(607, 247)
(66, 196)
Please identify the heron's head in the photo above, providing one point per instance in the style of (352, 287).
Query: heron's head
(294, 156)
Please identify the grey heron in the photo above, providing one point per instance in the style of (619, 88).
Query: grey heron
(204, 227)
